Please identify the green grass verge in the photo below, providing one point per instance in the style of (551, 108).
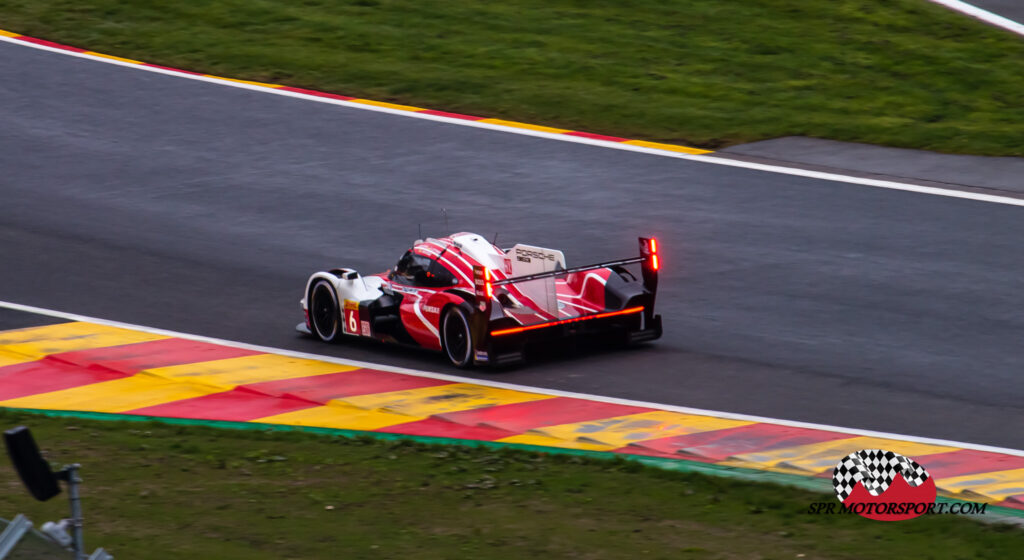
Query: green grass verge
(893, 72)
(157, 490)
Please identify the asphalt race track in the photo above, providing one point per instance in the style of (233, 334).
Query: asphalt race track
(201, 208)
(1010, 9)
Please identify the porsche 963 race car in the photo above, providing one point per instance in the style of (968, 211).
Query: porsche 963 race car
(482, 305)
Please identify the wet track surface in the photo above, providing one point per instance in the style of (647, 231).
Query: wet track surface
(201, 208)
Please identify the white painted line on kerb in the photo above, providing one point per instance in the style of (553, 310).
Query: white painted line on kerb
(540, 390)
(835, 177)
(983, 15)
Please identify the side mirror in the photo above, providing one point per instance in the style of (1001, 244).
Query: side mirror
(34, 471)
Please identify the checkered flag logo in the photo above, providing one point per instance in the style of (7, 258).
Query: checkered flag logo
(875, 469)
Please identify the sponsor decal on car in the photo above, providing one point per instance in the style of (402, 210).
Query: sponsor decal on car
(351, 325)
(524, 255)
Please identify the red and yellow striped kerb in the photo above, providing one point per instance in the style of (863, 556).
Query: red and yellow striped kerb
(383, 104)
(80, 366)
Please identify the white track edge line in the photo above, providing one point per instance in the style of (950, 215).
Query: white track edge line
(892, 185)
(984, 15)
(511, 386)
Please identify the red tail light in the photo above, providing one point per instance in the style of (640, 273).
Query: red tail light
(488, 287)
(651, 264)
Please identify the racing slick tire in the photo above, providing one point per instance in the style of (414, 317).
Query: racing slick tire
(324, 317)
(457, 338)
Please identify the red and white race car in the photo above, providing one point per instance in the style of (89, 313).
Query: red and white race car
(479, 304)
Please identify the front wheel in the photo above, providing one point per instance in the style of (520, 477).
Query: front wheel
(323, 311)
(457, 338)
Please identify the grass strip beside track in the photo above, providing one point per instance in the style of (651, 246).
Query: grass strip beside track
(159, 490)
(903, 73)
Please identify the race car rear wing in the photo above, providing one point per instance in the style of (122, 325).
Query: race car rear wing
(648, 256)
(484, 285)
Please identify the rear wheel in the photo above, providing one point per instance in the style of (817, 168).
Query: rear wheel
(323, 311)
(458, 340)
